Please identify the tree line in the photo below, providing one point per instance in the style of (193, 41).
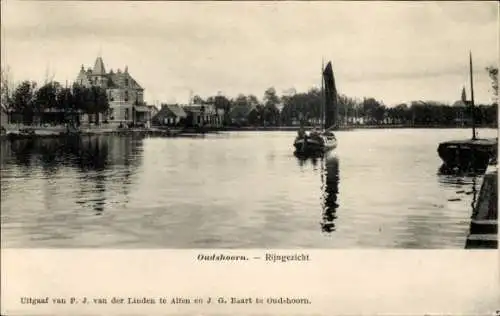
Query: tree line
(294, 107)
(30, 104)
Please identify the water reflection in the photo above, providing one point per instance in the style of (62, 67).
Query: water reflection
(474, 193)
(329, 164)
(330, 178)
(466, 184)
(100, 161)
(460, 171)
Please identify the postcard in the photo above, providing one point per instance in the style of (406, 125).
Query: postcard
(249, 158)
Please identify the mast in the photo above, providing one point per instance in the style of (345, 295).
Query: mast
(472, 98)
(322, 106)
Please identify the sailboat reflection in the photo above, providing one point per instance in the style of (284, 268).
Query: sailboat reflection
(330, 189)
(329, 164)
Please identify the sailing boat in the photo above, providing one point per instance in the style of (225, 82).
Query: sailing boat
(474, 153)
(320, 141)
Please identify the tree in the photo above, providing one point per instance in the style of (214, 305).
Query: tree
(252, 100)
(493, 73)
(198, 100)
(346, 107)
(66, 101)
(78, 93)
(46, 96)
(6, 89)
(270, 97)
(379, 113)
(91, 101)
(23, 100)
(221, 102)
(371, 110)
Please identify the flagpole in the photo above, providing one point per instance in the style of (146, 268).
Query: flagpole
(472, 98)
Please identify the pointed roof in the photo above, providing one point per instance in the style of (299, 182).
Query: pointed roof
(167, 110)
(99, 67)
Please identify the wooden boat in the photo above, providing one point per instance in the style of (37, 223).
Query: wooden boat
(324, 140)
(468, 153)
(473, 153)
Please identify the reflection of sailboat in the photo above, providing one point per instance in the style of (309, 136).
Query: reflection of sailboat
(323, 140)
(330, 190)
(329, 165)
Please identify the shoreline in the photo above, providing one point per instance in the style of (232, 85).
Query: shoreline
(348, 128)
(177, 132)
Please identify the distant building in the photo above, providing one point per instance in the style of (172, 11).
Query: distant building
(203, 115)
(240, 114)
(125, 95)
(169, 114)
(462, 119)
(153, 110)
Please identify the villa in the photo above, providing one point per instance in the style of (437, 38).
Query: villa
(125, 95)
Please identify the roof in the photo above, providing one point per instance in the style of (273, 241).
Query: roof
(177, 110)
(170, 110)
(208, 108)
(141, 108)
(459, 103)
(115, 79)
(98, 67)
(242, 110)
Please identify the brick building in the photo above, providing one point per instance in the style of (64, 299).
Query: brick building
(125, 95)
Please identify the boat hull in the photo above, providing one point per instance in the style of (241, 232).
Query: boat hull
(468, 154)
(312, 146)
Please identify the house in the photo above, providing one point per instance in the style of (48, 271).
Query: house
(240, 114)
(125, 95)
(204, 115)
(169, 114)
(153, 110)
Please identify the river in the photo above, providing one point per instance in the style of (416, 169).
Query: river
(379, 189)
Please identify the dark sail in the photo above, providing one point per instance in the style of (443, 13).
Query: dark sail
(330, 97)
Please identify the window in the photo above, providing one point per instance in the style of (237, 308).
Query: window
(126, 82)
(126, 95)
(126, 114)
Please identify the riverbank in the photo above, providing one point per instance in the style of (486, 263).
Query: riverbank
(19, 133)
(346, 127)
(14, 134)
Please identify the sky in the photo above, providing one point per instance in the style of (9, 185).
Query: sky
(392, 51)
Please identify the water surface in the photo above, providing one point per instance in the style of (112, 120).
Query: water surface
(378, 189)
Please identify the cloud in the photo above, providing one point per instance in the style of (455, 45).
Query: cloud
(248, 46)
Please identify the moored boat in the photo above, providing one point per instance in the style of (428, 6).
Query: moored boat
(469, 154)
(474, 154)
